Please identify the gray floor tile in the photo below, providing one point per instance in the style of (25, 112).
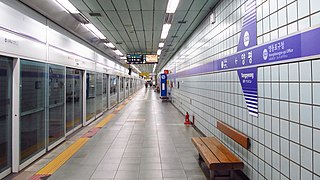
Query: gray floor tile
(150, 174)
(127, 174)
(174, 174)
(140, 142)
(104, 174)
(149, 166)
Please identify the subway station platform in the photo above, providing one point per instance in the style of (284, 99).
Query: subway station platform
(144, 139)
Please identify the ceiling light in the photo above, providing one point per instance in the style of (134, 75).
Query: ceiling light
(161, 45)
(165, 30)
(118, 52)
(109, 45)
(159, 52)
(135, 68)
(123, 57)
(154, 68)
(172, 6)
(68, 6)
(95, 31)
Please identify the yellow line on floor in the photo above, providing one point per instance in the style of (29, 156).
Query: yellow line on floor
(55, 164)
(104, 121)
(120, 107)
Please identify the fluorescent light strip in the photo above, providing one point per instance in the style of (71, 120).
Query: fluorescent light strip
(161, 45)
(68, 6)
(123, 57)
(159, 52)
(135, 68)
(165, 30)
(109, 44)
(172, 6)
(118, 52)
(95, 31)
(154, 67)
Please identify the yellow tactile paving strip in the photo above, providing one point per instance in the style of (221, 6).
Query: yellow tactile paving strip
(63, 157)
(104, 121)
(56, 163)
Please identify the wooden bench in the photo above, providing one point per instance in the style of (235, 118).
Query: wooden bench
(220, 161)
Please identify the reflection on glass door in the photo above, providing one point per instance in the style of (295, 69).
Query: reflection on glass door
(104, 92)
(90, 95)
(56, 102)
(5, 112)
(127, 86)
(99, 84)
(73, 98)
(113, 90)
(32, 109)
(122, 93)
(131, 87)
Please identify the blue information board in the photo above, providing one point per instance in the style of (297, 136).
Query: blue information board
(163, 78)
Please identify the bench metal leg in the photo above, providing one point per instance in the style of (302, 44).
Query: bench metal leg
(211, 174)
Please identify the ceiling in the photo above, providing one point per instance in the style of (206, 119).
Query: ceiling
(133, 26)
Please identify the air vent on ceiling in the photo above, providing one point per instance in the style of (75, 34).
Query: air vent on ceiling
(169, 45)
(182, 22)
(95, 14)
(174, 36)
(168, 18)
(118, 42)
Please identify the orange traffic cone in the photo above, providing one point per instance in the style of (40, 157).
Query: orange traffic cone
(187, 121)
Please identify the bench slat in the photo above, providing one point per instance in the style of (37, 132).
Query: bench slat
(204, 151)
(234, 160)
(215, 150)
(238, 137)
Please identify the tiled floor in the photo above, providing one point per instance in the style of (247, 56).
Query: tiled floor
(145, 140)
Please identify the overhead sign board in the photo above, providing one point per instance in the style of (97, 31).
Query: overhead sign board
(151, 58)
(144, 74)
(142, 59)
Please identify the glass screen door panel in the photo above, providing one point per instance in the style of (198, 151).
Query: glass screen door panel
(5, 112)
(104, 92)
(113, 90)
(56, 102)
(77, 99)
(99, 84)
(32, 109)
(73, 98)
(90, 96)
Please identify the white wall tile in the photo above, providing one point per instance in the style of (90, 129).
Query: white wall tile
(306, 114)
(306, 136)
(304, 23)
(295, 152)
(314, 5)
(292, 12)
(294, 171)
(294, 133)
(303, 8)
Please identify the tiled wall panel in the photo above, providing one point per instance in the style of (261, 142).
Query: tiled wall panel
(284, 137)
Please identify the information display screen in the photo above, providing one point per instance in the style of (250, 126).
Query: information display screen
(135, 59)
(142, 59)
(151, 58)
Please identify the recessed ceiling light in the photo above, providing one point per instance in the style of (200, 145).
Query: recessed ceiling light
(172, 6)
(161, 45)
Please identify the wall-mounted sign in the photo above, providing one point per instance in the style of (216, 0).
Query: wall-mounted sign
(163, 78)
(151, 58)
